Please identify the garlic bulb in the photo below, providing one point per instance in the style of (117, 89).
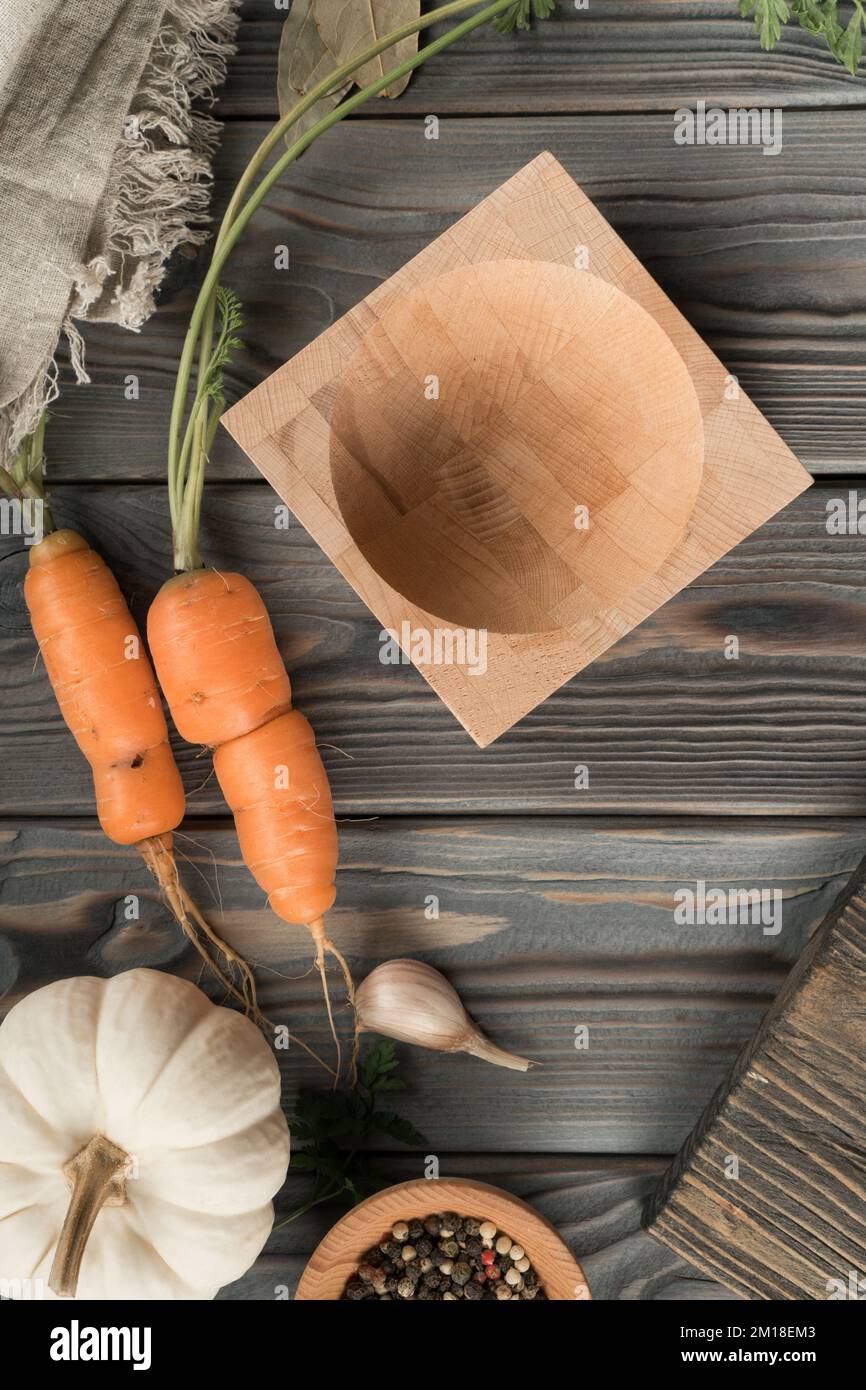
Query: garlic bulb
(412, 1002)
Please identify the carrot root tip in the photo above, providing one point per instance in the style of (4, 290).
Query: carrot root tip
(325, 946)
(158, 856)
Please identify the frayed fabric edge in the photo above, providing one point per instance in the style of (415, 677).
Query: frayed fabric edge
(157, 198)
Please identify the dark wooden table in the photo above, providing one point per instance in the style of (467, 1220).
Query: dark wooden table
(556, 905)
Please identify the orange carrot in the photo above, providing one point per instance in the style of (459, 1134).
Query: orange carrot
(107, 694)
(286, 831)
(104, 686)
(216, 658)
(227, 688)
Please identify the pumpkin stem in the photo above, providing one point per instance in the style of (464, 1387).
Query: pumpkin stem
(98, 1176)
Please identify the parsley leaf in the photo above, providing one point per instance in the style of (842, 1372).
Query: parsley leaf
(328, 1126)
(819, 17)
(521, 14)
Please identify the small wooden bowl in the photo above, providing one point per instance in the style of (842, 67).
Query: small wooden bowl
(496, 447)
(548, 390)
(336, 1257)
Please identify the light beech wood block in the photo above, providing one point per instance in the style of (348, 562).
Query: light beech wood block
(512, 460)
(337, 1257)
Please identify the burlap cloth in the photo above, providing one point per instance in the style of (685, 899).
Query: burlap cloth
(104, 170)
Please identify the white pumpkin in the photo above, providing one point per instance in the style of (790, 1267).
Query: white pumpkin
(136, 1106)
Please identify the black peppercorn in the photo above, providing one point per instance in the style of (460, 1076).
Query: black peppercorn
(408, 1264)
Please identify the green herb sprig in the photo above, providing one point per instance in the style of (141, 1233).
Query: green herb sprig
(328, 1128)
(819, 17)
(522, 13)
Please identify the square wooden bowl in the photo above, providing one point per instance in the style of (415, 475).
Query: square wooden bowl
(516, 449)
(336, 1258)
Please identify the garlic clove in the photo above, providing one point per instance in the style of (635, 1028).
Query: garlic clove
(413, 1003)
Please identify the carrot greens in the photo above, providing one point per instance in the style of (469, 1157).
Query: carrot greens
(24, 479)
(196, 409)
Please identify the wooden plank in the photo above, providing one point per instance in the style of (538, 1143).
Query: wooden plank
(594, 1202)
(610, 56)
(764, 256)
(544, 926)
(789, 1220)
(664, 723)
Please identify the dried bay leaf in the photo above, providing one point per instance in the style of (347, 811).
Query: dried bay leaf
(304, 60)
(347, 26)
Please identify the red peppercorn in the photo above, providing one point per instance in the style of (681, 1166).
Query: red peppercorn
(488, 1257)
(494, 1272)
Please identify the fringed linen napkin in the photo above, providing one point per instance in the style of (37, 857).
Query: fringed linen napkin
(105, 169)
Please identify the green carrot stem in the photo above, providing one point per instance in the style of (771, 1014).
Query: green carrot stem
(8, 484)
(321, 89)
(24, 477)
(186, 546)
(177, 472)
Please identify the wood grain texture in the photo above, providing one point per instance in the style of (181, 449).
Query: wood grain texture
(792, 1223)
(764, 257)
(611, 56)
(559, 391)
(544, 926)
(663, 723)
(595, 1204)
(337, 1256)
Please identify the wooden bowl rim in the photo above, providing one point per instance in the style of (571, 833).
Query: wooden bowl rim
(354, 1232)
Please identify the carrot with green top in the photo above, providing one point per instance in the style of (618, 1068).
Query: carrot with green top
(212, 642)
(108, 696)
(227, 689)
